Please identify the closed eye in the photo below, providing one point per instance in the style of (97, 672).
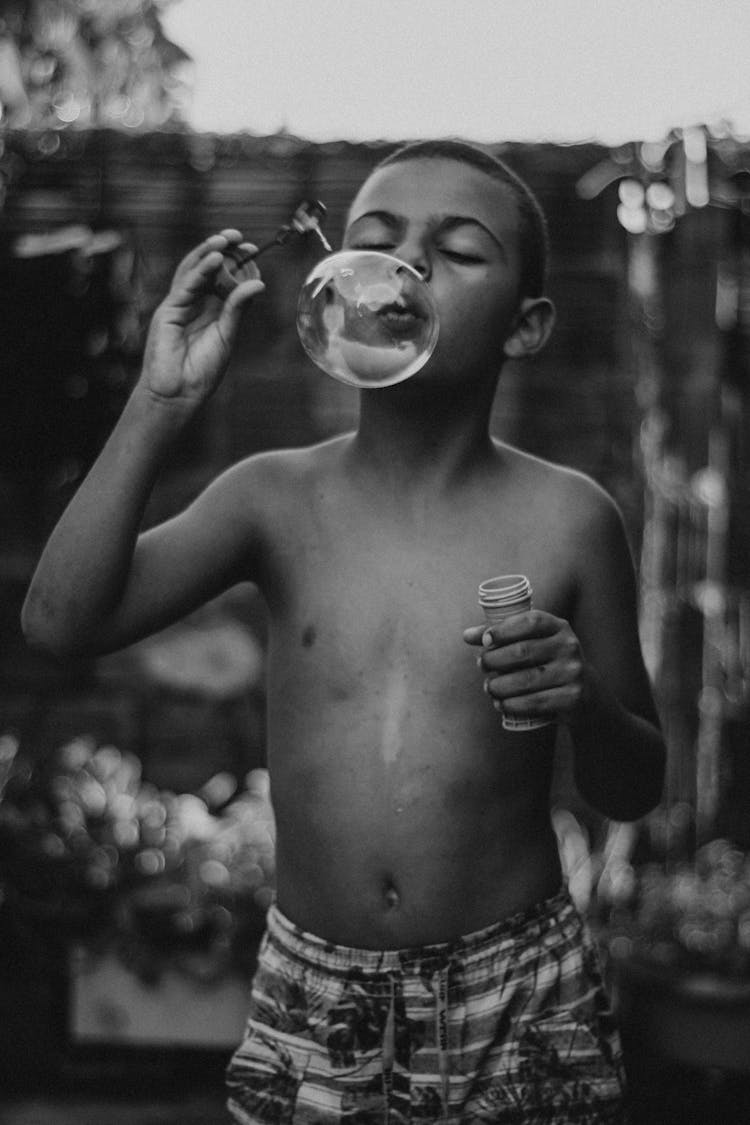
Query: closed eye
(457, 256)
(371, 246)
(453, 255)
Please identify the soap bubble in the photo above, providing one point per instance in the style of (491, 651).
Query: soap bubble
(367, 318)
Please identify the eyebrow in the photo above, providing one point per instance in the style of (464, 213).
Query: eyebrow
(446, 222)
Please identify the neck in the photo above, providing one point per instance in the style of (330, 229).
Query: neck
(422, 435)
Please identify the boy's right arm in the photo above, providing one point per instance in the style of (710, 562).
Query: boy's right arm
(99, 585)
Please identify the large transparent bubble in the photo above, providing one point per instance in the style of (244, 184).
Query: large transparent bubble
(367, 318)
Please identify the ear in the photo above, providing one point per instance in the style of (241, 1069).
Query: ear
(532, 327)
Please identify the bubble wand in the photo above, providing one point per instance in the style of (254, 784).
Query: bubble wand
(305, 220)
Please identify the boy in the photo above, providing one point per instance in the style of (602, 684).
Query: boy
(422, 962)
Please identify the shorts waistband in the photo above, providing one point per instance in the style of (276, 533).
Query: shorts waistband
(554, 917)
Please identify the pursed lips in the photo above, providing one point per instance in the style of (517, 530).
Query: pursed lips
(399, 314)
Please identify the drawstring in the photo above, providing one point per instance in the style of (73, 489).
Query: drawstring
(440, 987)
(389, 1048)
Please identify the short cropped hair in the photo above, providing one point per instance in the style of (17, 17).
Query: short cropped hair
(534, 231)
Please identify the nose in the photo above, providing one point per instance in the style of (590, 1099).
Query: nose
(415, 255)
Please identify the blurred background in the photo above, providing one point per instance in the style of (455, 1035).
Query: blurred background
(136, 833)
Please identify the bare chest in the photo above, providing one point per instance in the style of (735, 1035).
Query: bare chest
(360, 593)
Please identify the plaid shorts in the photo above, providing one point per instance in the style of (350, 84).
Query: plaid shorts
(507, 1025)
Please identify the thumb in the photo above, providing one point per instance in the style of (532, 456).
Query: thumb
(232, 308)
(473, 635)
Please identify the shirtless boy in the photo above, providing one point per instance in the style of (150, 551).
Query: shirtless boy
(422, 961)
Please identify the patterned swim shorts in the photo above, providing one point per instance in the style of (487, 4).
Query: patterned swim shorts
(507, 1025)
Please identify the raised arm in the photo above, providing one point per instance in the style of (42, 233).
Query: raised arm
(98, 584)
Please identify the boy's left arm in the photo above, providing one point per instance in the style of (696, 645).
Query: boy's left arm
(587, 672)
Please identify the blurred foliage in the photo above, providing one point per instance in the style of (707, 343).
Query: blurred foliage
(687, 916)
(89, 64)
(90, 852)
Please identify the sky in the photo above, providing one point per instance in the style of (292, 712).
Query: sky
(485, 70)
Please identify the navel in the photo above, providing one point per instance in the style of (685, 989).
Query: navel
(309, 636)
(391, 897)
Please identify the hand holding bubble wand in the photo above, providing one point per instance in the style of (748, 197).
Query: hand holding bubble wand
(305, 220)
(365, 318)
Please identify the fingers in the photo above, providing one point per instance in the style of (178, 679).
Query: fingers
(241, 252)
(194, 278)
(215, 242)
(519, 625)
(553, 689)
(529, 681)
(219, 276)
(237, 299)
(514, 640)
(557, 704)
(237, 267)
(532, 623)
(521, 655)
(532, 663)
(222, 260)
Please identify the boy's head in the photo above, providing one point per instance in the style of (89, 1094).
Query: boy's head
(533, 230)
(476, 233)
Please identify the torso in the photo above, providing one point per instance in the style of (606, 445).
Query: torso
(405, 814)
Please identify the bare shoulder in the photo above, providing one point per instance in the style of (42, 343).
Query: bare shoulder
(567, 518)
(268, 479)
(560, 493)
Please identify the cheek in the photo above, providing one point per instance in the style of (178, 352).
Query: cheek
(477, 320)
